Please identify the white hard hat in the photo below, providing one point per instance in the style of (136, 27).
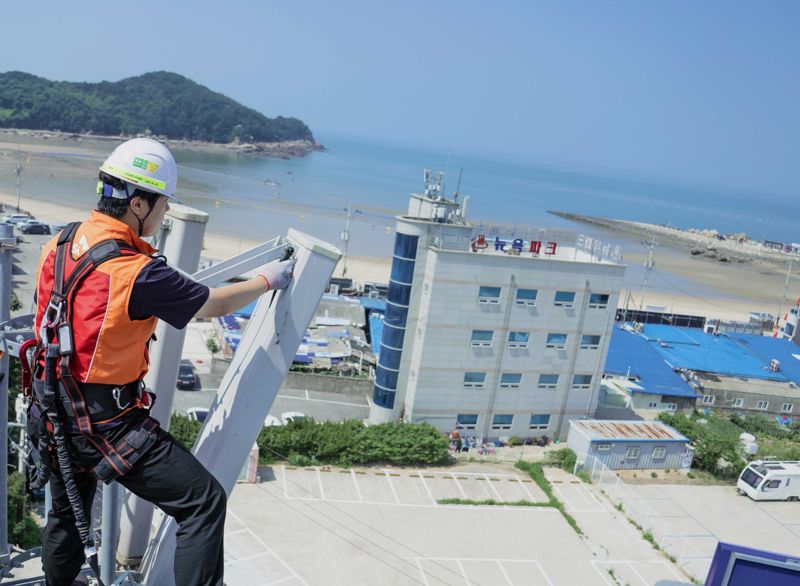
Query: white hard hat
(145, 163)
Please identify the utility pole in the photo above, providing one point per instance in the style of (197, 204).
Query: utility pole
(346, 239)
(18, 171)
(785, 290)
(649, 264)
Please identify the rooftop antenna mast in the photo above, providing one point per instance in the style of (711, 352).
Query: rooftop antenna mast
(346, 238)
(458, 185)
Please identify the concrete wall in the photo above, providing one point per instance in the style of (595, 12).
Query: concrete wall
(328, 384)
(724, 399)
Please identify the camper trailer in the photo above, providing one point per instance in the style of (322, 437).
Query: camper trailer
(771, 481)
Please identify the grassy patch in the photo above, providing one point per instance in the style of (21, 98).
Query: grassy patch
(491, 502)
(536, 472)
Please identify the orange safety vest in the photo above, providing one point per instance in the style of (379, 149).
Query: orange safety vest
(109, 347)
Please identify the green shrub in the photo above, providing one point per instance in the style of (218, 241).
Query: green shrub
(563, 458)
(184, 429)
(654, 474)
(515, 440)
(690, 475)
(22, 529)
(350, 442)
(212, 345)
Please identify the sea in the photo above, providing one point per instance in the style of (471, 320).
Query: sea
(255, 198)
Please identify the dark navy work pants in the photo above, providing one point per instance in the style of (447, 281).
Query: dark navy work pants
(167, 476)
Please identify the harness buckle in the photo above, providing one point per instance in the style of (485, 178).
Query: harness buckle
(47, 322)
(116, 392)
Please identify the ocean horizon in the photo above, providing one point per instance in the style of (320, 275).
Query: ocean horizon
(252, 197)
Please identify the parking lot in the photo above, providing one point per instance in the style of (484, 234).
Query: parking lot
(332, 526)
(688, 521)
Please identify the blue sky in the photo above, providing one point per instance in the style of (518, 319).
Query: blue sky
(707, 92)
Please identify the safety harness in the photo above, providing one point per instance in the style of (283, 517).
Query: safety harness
(61, 405)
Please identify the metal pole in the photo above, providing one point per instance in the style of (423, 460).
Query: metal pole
(18, 171)
(108, 533)
(7, 243)
(246, 393)
(785, 289)
(184, 238)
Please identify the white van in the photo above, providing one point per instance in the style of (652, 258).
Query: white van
(771, 481)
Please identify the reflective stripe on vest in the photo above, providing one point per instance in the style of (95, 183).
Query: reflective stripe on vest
(110, 348)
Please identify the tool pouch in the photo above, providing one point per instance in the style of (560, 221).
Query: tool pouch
(127, 451)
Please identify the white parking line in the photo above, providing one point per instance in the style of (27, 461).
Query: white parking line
(422, 572)
(389, 480)
(505, 574)
(563, 498)
(355, 482)
(525, 488)
(268, 549)
(319, 481)
(285, 483)
(324, 401)
(458, 484)
(632, 563)
(428, 490)
(463, 572)
(494, 490)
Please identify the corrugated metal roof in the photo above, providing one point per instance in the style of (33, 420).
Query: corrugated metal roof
(725, 354)
(597, 429)
(630, 353)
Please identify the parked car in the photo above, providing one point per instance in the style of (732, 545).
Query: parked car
(187, 376)
(57, 227)
(33, 227)
(197, 413)
(15, 218)
(291, 416)
(272, 421)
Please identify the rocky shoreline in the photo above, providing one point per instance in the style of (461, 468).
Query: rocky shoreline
(284, 150)
(704, 243)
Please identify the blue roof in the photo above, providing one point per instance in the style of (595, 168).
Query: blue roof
(727, 354)
(373, 304)
(768, 348)
(375, 332)
(631, 351)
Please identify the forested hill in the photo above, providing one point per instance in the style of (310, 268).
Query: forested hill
(163, 103)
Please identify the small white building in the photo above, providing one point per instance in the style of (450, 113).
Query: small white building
(494, 333)
(629, 444)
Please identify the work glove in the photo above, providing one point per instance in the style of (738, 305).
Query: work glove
(278, 274)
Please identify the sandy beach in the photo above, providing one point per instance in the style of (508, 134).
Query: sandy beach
(679, 282)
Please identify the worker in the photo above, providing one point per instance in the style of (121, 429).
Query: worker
(100, 291)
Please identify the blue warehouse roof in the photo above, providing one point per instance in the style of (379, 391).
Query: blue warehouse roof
(728, 354)
(632, 351)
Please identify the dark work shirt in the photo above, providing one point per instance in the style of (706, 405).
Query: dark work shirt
(163, 292)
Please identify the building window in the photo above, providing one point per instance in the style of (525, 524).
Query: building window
(772, 484)
(708, 399)
(502, 421)
(598, 301)
(652, 405)
(670, 406)
(518, 339)
(659, 453)
(466, 421)
(474, 380)
(565, 299)
(526, 297)
(762, 405)
(632, 453)
(787, 408)
(510, 380)
(558, 341)
(590, 342)
(738, 402)
(539, 421)
(548, 381)
(481, 339)
(489, 295)
(603, 447)
(581, 381)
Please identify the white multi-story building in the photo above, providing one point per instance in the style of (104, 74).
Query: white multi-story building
(493, 334)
